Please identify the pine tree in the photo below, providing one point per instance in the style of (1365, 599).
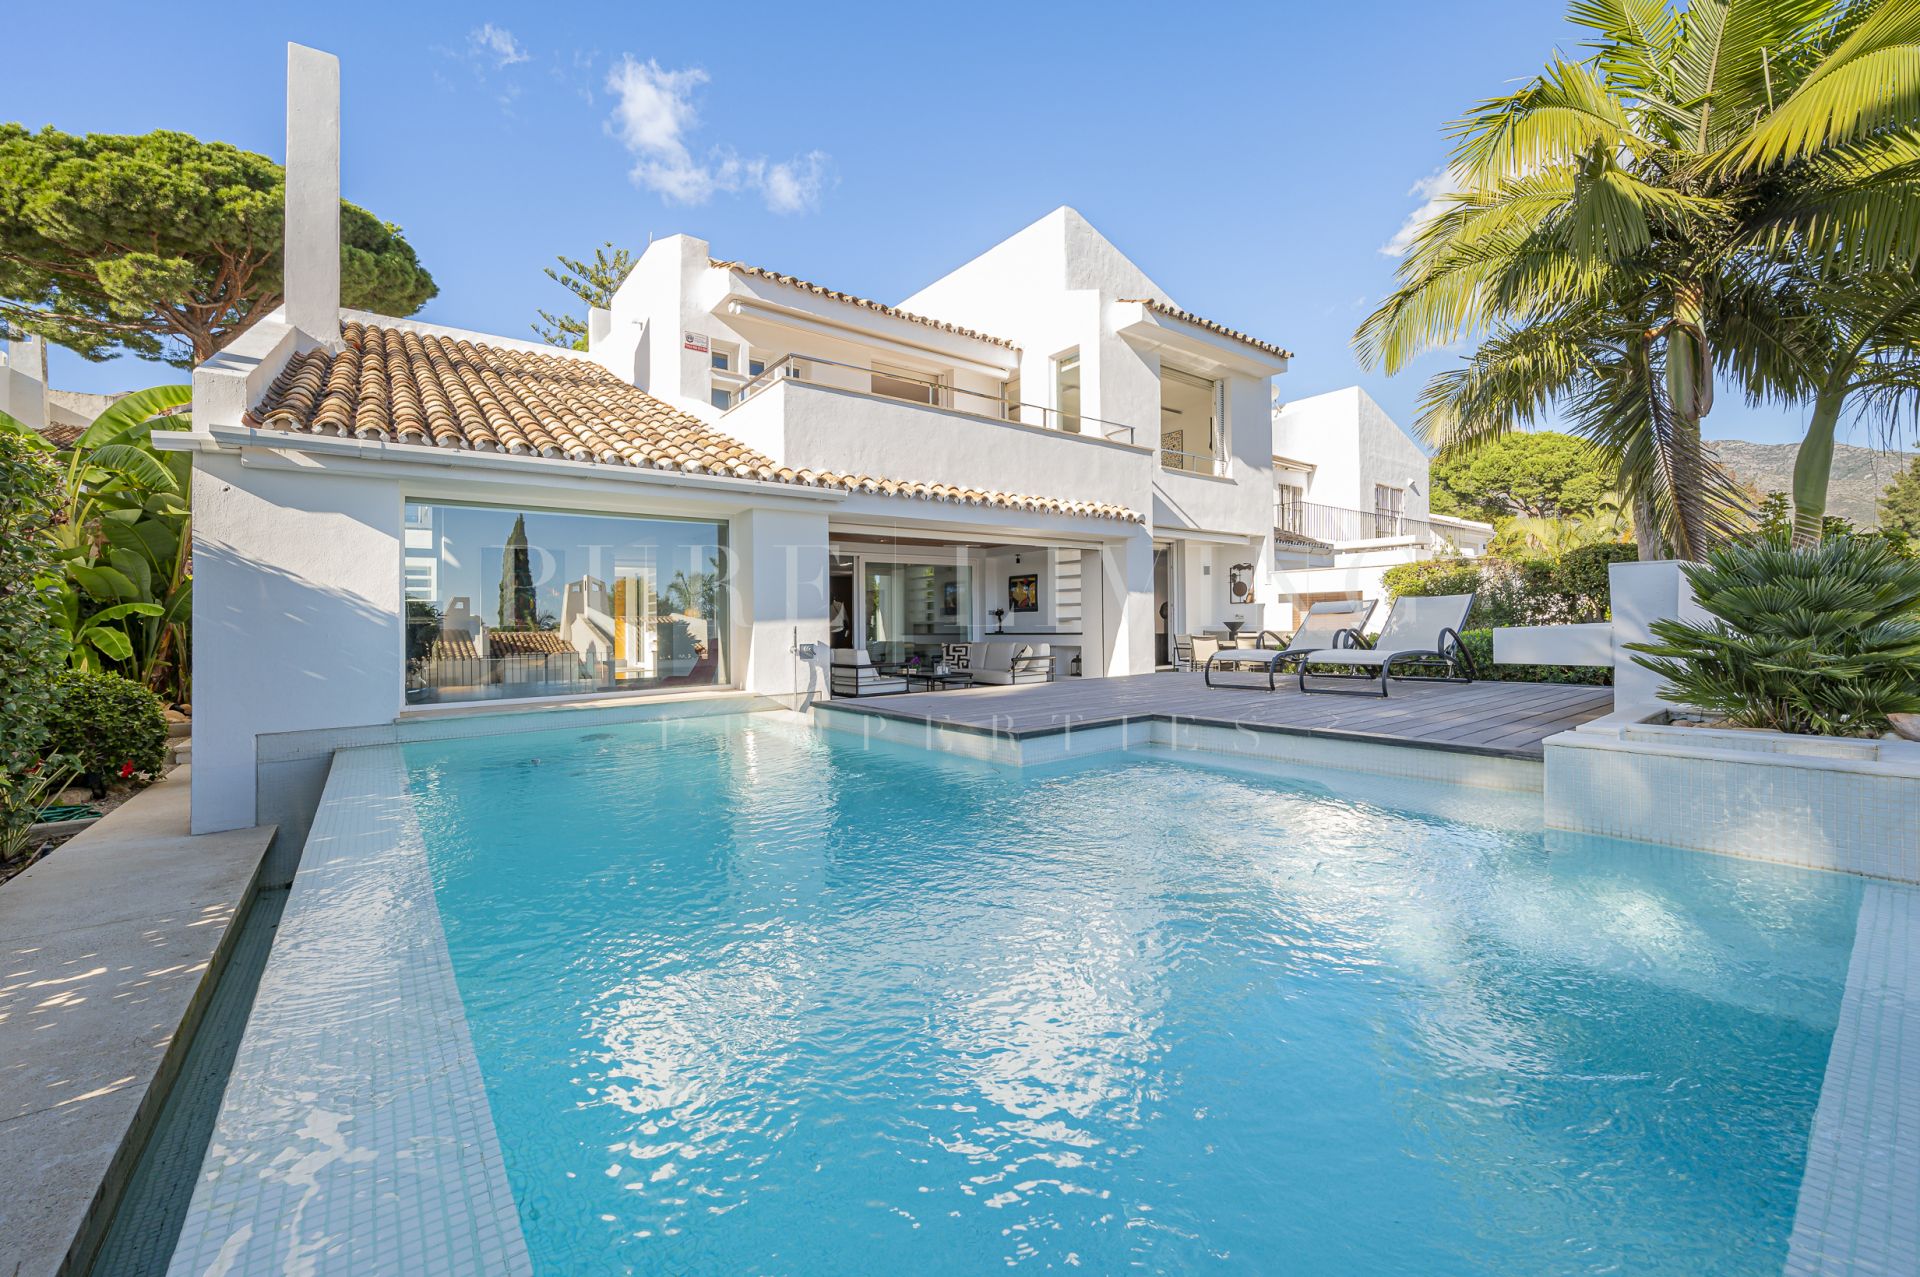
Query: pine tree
(517, 606)
(1900, 503)
(593, 282)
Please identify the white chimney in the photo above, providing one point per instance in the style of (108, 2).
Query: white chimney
(312, 258)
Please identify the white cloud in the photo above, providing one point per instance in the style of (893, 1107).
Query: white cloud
(654, 115)
(498, 44)
(1433, 190)
(794, 187)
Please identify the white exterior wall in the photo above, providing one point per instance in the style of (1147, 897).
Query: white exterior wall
(780, 600)
(298, 591)
(23, 381)
(813, 427)
(296, 616)
(1059, 284)
(1352, 444)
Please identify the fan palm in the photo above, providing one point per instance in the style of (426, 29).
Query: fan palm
(1623, 225)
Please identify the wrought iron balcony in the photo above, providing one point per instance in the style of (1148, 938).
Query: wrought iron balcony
(1336, 525)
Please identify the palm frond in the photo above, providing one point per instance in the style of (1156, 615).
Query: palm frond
(1868, 82)
(1636, 41)
(1563, 114)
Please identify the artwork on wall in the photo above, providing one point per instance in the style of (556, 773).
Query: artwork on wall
(1240, 583)
(950, 599)
(1172, 443)
(1023, 592)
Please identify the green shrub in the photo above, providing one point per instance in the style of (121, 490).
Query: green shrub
(1538, 590)
(1433, 576)
(110, 728)
(1818, 639)
(31, 649)
(1576, 590)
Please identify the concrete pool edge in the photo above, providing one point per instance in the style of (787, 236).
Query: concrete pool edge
(355, 1135)
(1314, 747)
(1859, 1204)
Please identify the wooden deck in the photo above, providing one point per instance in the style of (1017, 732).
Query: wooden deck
(1507, 720)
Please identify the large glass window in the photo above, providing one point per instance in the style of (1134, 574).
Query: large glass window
(505, 603)
(912, 608)
(1189, 428)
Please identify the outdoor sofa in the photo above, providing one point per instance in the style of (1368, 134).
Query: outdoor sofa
(854, 675)
(1003, 662)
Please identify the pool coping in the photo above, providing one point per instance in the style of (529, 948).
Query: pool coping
(1043, 730)
(1478, 768)
(1859, 1203)
(114, 943)
(355, 1135)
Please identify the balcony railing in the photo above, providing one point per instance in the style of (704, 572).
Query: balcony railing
(884, 384)
(1192, 462)
(1335, 525)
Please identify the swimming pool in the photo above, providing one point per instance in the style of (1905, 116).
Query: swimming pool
(751, 998)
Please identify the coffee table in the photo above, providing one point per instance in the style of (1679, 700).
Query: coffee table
(940, 682)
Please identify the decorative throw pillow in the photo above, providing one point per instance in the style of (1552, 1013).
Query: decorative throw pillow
(957, 655)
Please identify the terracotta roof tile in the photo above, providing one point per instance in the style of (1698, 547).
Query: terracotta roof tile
(1299, 540)
(529, 643)
(401, 386)
(820, 290)
(1188, 317)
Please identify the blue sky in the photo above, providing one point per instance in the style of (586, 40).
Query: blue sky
(1255, 161)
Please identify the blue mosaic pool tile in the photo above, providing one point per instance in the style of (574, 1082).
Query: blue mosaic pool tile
(355, 1136)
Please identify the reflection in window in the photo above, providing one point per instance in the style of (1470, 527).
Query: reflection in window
(505, 603)
(1066, 391)
(913, 607)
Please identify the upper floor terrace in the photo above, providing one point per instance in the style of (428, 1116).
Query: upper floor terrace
(711, 336)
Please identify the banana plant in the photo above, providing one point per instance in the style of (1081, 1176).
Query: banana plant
(124, 541)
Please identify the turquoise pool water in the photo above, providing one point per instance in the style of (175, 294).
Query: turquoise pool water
(754, 999)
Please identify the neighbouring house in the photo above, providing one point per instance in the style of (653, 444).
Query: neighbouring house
(1350, 499)
(744, 470)
(60, 415)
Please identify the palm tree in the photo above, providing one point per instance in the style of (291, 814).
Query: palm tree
(1624, 224)
(1864, 335)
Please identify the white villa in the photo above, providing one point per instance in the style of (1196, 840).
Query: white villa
(1350, 501)
(744, 472)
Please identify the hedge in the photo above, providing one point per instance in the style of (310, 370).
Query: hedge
(1570, 590)
(108, 728)
(32, 649)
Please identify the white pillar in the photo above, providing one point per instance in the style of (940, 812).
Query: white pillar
(312, 247)
(1642, 594)
(779, 600)
(1126, 605)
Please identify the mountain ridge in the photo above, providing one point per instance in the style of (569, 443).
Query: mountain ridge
(1859, 476)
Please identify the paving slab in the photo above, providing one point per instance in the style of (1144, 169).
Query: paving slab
(108, 950)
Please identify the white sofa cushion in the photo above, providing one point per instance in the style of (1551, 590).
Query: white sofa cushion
(994, 662)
